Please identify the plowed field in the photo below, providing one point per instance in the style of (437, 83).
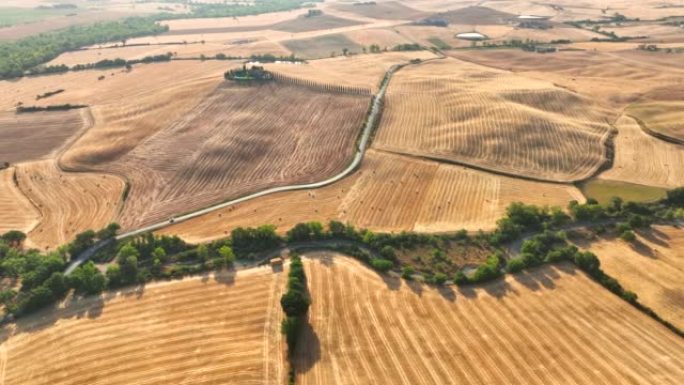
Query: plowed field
(240, 139)
(550, 326)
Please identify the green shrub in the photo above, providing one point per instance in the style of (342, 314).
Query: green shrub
(382, 265)
(515, 265)
(460, 278)
(407, 272)
(628, 236)
(439, 279)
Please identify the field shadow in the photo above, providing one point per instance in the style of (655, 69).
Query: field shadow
(447, 292)
(392, 282)
(467, 291)
(498, 289)
(416, 287)
(642, 249)
(655, 236)
(537, 278)
(225, 277)
(308, 350)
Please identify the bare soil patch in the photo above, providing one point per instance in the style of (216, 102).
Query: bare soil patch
(306, 23)
(391, 10)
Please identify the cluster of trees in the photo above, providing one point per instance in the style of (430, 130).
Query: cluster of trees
(295, 303)
(408, 47)
(40, 274)
(56, 107)
(49, 93)
(102, 64)
(18, 56)
(257, 73)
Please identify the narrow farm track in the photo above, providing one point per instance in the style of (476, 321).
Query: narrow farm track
(218, 330)
(551, 325)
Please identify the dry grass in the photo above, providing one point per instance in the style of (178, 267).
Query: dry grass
(653, 268)
(69, 203)
(552, 325)
(245, 22)
(215, 330)
(16, 212)
(476, 15)
(40, 135)
(384, 38)
(239, 140)
(643, 159)
(663, 117)
(322, 46)
(315, 23)
(389, 193)
(468, 114)
(361, 71)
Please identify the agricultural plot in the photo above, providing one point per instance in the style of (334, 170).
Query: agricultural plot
(322, 46)
(358, 71)
(664, 118)
(392, 10)
(552, 325)
(33, 136)
(475, 15)
(642, 159)
(461, 113)
(16, 211)
(69, 203)
(239, 140)
(306, 23)
(389, 193)
(603, 191)
(384, 38)
(652, 267)
(222, 329)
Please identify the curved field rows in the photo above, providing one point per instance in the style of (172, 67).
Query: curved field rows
(16, 212)
(363, 71)
(38, 135)
(653, 268)
(68, 202)
(222, 330)
(502, 122)
(663, 117)
(239, 140)
(643, 159)
(550, 326)
(389, 193)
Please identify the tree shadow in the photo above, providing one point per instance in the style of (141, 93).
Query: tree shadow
(416, 287)
(655, 236)
(226, 277)
(498, 288)
(447, 292)
(392, 282)
(642, 248)
(308, 350)
(468, 291)
(536, 278)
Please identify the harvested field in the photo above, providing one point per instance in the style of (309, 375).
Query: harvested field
(69, 203)
(643, 159)
(130, 107)
(239, 140)
(475, 15)
(384, 38)
(467, 114)
(389, 193)
(665, 118)
(306, 23)
(59, 22)
(552, 325)
(16, 211)
(216, 330)
(604, 190)
(391, 10)
(322, 46)
(360, 71)
(653, 268)
(39, 135)
(246, 22)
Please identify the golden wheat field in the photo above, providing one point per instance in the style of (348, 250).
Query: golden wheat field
(69, 203)
(389, 193)
(643, 159)
(664, 117)
(457, 112)
(552, 325)
(239, 140)
(652, 267)
(16, 211)
(222, 329)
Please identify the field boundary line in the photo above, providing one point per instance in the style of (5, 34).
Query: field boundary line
(655, 134)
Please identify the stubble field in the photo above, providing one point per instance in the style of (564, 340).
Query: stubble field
(145, 336)
(16, 211)
(552, 325)
(456, 112)
(240, 139)
(69, 203)
(389, 193)
(652, 267)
